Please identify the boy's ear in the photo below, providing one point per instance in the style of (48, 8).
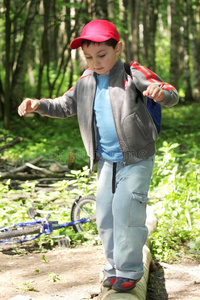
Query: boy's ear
(118, 48)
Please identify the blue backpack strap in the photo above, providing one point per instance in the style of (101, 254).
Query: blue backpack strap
(153, 107)
(155, 110)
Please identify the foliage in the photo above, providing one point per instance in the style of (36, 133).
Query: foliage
(175, 186)
(52, 138)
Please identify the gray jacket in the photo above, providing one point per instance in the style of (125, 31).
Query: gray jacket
(135, 128)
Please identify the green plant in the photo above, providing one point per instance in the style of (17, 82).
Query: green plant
(175, 188)
(44, 260)
(26, 286)
(54, 277)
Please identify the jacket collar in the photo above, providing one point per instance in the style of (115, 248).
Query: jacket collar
(118, 68)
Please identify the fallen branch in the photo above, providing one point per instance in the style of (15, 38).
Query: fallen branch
(26, 176)
(24, 167)
(9, 173)
(12, 143)
(30, 171)
(30, 165)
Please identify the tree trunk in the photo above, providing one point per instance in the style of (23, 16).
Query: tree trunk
(7, 103)
(175, 42)
(101, 9)
(197, 17)
(53, 40)
(145, 45)
(43, 49)
(45, 41)
(134, 15)
(111, 9)
(126, 54)
(1, 100)
(153, 17)
(195, 54)
(186, 67)
(24, 54)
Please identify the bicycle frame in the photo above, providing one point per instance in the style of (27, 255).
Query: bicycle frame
(82, 212)
(47, 227)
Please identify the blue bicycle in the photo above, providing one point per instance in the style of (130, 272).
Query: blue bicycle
(82, 214)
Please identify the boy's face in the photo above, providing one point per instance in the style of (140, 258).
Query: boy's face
(101, 58)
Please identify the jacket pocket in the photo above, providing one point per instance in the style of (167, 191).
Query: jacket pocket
(139, 130)
(137, 210)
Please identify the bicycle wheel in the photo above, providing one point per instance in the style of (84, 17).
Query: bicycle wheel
(84, 207)
(19, 233)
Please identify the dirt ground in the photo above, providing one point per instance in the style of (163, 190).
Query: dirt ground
(63, 273)
(74, 274)
(179, 281)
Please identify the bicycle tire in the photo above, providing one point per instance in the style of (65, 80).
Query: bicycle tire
(84, 207)
(17, 231)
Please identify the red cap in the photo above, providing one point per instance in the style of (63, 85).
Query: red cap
(96, 31)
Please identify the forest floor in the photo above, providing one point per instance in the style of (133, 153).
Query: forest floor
(74, 274)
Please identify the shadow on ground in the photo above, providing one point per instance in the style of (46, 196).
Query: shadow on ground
(156, 289)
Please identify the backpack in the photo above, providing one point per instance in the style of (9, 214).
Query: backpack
(153, 107)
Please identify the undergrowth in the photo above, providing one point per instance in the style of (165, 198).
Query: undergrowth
(175, 185)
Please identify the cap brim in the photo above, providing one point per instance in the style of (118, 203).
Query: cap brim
(76, 43)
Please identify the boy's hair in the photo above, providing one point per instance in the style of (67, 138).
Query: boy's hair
(111, 42)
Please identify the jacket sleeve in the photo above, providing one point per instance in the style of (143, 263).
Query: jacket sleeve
(143, 77)
(61, 107)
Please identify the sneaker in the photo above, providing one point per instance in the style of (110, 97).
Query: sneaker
(124, 284)
(108, 282)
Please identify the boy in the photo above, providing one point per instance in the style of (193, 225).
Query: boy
(118, 133)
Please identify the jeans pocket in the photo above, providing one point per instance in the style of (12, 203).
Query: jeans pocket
(137, 211)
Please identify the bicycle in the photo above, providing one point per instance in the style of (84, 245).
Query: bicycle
(82, 213)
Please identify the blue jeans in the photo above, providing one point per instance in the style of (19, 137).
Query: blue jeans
(121, 216)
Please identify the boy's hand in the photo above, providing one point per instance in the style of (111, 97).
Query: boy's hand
(154, 92)
(28, 105)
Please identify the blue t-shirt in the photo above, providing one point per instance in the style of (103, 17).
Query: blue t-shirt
(108, 145)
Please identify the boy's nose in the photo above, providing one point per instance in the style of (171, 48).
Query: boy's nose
(96, 62)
